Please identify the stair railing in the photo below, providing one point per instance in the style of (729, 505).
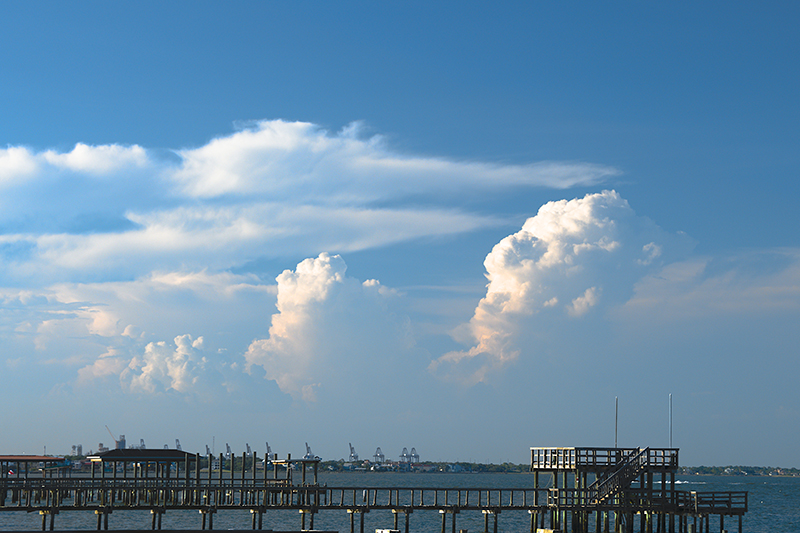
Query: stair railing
(622, 477)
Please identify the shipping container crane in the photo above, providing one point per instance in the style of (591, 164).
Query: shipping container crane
(353, 454)
(379, 457)
(309, 454)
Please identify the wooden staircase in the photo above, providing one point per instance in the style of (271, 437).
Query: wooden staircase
(619, 477)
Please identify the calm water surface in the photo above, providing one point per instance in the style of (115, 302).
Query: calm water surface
(774, 506)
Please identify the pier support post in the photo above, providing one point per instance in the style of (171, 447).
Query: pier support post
(156, 513)
(360, 511)
(45, 513)
(486, 513)
(258, 518)
(406, 511)
(451, 511)
(303, 513)
(102, 517)
(208, 513)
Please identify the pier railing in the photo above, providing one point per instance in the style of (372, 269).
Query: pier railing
(662, 500)
(712, 502)
(49, 497)
(599, 459)
(181, 494)
(90, 494)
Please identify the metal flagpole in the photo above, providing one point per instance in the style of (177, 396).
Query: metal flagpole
(670, 420)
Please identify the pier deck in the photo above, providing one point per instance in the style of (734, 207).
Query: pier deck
(574, 489)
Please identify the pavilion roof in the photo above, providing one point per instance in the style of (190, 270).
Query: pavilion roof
(139, 455)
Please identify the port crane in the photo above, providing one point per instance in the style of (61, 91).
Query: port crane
(267, 456)
(116, 440)
(379, 457)
(404, 456)
(353, 454)
(309, 454)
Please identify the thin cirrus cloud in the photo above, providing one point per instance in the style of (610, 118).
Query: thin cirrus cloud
(300, 160)
(226, 236)
(274, 188)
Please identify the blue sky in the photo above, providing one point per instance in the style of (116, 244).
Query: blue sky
(458, 227)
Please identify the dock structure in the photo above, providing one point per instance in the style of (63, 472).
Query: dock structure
(625, 486)
(581, 490)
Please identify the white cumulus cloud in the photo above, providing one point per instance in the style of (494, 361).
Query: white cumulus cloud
(99, 160)
(560, 266)
(327, 326)
(116, 331)
(16, 162)
(162, 367)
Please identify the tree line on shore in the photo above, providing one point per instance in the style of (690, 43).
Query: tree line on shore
(738, 471)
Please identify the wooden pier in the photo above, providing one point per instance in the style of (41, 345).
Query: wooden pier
(622, 485)
(581, 490)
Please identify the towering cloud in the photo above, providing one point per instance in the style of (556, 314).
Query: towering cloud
(561, 266)
(327, 326)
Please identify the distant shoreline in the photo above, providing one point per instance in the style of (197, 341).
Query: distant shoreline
(456, 467)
